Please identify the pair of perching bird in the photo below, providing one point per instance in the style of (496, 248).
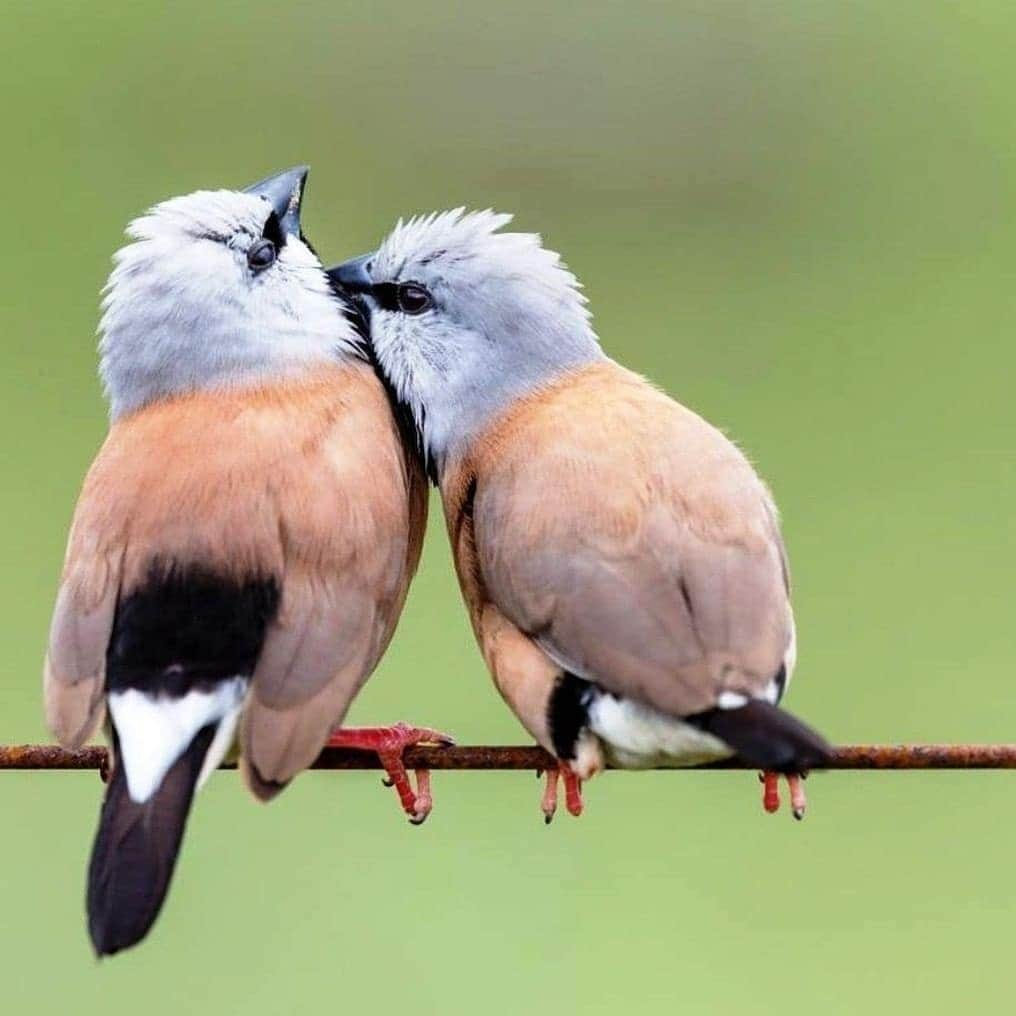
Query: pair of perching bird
(245, 539)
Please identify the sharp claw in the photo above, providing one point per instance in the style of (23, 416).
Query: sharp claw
(424, 803)
(548, 804)
(425, 735)
(798, 802)
(390, 743)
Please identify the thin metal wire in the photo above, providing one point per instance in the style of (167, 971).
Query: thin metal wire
(847, 756)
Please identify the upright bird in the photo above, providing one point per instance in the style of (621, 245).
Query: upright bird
(244, 541)
(620, 559)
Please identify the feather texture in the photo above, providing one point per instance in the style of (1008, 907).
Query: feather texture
(628, 540)
(135, 851)
(303, 483)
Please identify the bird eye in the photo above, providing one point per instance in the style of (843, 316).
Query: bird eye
(261, 255)
(413, 298)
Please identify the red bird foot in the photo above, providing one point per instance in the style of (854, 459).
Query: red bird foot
(572, 792)
(771, 793)
(390, 743)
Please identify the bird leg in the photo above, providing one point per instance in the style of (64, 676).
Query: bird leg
(572, 792)
(548, 805)
(771, 792)
(389, 743)
(798, 800)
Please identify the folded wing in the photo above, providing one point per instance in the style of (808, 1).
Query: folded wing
(351, 533)
(636, 545)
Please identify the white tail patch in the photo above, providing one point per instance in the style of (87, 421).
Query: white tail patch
(731, 700)
(221, 743)
(638, 736)
(155, 730)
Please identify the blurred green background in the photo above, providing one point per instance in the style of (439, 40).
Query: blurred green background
(797, 217)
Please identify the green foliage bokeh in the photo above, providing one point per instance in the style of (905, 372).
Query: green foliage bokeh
(798, 218)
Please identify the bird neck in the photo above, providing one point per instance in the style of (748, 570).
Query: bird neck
(449, 425)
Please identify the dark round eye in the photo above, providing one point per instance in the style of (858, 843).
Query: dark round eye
(261, 255)
(413, 298)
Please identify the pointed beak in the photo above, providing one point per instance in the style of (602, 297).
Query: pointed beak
(353, 275)
(284, 192)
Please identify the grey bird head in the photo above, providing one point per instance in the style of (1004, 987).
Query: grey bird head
(464, 320)
(218, 288)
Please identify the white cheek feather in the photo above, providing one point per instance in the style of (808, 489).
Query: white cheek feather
(404, 364)
(155, 731)
(638, 736)
(508, 317)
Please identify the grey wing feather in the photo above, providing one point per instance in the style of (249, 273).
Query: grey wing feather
(316, 656)
(75, 670)
(669, 616)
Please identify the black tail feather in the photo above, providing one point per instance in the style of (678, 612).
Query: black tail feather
(765, 736)
(135, 851)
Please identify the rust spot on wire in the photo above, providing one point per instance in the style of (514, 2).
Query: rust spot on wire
(493, 757)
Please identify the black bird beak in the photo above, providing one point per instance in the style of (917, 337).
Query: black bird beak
(284, 192)
(353, 275)
(353, 283)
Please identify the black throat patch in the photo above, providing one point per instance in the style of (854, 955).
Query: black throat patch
(410, 429)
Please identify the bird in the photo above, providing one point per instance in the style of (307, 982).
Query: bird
(620, 559)
(244, 539)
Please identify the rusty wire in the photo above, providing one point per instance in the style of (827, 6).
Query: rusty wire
(516, 757)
